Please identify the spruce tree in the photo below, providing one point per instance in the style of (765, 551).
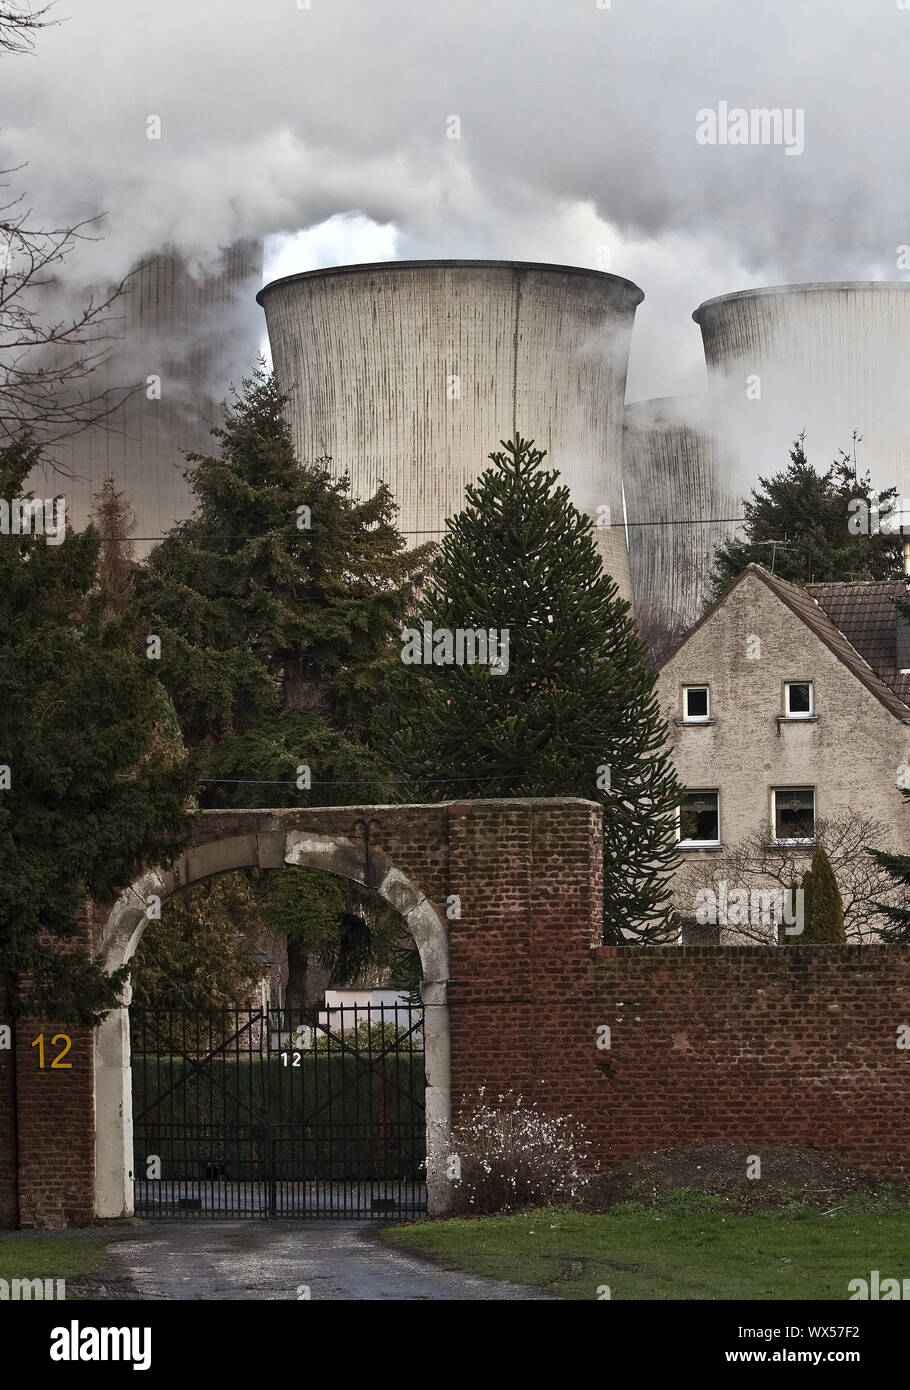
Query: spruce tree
(277, 604)
(823, 535)
(115, 522)
(574, 714)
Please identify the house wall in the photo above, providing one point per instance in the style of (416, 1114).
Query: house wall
(850, 755)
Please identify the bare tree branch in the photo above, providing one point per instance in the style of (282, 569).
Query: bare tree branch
(52, 382)
(18, 22)
(756, 863)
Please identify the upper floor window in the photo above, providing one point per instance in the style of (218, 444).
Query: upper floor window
(696, 704)
(793, 814)
(798, 700)
(699, 819)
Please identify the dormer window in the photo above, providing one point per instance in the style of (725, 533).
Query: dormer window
(696, 704)
(799, 702)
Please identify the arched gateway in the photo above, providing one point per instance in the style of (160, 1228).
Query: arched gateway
(695, 1051)
(462, 880)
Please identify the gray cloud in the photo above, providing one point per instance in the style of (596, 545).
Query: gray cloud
(577, 125)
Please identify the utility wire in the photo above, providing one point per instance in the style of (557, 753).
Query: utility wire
(369, 782)
(441, 530)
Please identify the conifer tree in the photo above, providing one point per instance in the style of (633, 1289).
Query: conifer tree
(896, 931)
(570, 711)
(810, 526)
(823, 908)
(277, 604)
(93, 776)
(115, 522)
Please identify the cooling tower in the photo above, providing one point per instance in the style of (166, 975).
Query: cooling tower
(679, 496)
(412, 372)
(827, 358)
(183, 337)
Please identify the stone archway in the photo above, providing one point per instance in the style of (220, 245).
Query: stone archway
(503, 899)
(267, 840)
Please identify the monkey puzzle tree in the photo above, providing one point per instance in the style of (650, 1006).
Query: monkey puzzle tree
(897, 866)
(571, 708)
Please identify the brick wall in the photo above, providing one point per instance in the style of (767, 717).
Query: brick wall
(47, 1133)
(529, 883)
(9, 1198)
(789, 1045)
(55, 1125)
(762, 1045)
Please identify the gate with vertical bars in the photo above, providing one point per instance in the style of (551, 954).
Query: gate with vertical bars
(258, 1113)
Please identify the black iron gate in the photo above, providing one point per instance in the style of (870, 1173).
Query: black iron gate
(245, 1112)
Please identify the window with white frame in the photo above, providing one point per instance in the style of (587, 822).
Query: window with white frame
(799, 702)
(699, 819)
(696, 704)
(793, 815)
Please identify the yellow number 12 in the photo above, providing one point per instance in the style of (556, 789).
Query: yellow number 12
(58, 1061)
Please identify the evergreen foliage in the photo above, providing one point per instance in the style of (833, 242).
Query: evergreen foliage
(823, 535)
(97, 779)
(574, 714)
(823, 908)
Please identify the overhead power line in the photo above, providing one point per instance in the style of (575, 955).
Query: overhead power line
(441, 530)
(367, 782)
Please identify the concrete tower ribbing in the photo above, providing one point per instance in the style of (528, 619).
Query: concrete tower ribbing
(827, 358)
(678, 486)
(412, 372)
(195, 333)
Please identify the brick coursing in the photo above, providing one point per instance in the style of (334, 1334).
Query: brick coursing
(768, 1045)
(56, 1127)
(762, 1045)
(9, 1190)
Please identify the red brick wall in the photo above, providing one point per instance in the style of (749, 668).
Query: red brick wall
(529, 882)
(56, 1124)
(9, 1191)
(765, 1046)
(777, 1045)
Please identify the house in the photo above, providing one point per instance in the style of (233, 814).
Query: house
(789, 710)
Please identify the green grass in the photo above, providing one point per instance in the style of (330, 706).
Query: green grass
(50, 1257)
(690, 1248)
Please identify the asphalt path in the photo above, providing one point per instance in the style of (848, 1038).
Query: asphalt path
(244, 1260)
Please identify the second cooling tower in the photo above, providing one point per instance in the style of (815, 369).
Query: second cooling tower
(411, 372)
(824, 358)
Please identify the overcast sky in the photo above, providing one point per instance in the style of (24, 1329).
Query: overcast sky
(578, 139)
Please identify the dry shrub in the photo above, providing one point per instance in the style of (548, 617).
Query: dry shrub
(511, 1157)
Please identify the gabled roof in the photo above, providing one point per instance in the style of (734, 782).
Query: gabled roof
(806, 607)
(865, 614)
